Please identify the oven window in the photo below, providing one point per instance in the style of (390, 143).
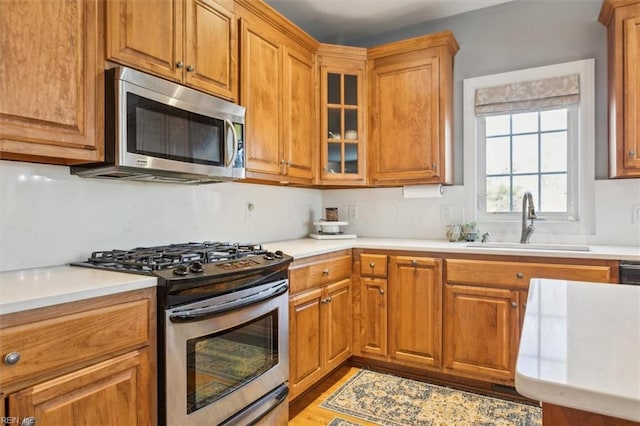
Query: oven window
(219, 363)
(163, 131)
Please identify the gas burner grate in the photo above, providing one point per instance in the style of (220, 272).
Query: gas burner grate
(172, 255)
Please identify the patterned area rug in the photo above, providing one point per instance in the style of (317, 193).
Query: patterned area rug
(342, 422)
(390, 400)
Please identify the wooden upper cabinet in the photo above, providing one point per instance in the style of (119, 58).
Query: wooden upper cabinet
(342, 115)
(411, 110)
(278, 88)
(261, 80)
(211, 47)
(622, 17)
(299, 121)
(189, 41)
(51, 84)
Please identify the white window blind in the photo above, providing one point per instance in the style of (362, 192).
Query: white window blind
(528, 95)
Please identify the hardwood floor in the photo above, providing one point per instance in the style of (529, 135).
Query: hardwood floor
(306, 410)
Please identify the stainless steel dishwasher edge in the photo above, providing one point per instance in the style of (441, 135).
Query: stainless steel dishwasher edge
(629, 272)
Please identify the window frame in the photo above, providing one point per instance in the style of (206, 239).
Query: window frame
(581, 152)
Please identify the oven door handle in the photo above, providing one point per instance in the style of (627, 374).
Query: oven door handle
(196, 314)
(256, 411)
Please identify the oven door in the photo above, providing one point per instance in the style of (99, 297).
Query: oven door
(221, 357)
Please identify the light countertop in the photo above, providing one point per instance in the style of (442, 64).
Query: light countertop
(580, 347)
(306, 247)
(39, 287)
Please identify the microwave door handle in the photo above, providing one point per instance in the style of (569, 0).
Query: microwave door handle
(235, 142)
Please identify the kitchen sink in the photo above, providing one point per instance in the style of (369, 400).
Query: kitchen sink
(519, 246)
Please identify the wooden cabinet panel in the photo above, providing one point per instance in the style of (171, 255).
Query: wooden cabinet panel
(338, 323)
(415, 310)
(319, 272)
(111, 393)
(67, 340)
(479, 331)
(518, 274)
(373, 265)
(405, 101)
(373, 316)
(299, 127)
(261, 81)
(343, 123)
(411, 110)
(305, 340)
(622, 17)
(51, 81)
(147, 35)
(211, 48)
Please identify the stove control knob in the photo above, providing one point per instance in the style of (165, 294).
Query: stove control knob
(278, 254)
(181, 270)
(269, 255)
(196, 267)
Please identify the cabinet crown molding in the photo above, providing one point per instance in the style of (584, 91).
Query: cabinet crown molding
(442, 39)
(609, 6)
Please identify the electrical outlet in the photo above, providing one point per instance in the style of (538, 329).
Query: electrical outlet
(446, 213)
(635, 213)
(353, 212)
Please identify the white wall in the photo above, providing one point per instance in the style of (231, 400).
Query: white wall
(50, 217)
(383, 212)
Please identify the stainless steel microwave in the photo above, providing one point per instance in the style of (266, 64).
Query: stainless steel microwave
(157, 130)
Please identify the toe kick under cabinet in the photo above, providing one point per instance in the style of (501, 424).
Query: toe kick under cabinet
(81, 363)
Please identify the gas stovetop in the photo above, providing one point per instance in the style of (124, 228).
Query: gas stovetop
(182, 259)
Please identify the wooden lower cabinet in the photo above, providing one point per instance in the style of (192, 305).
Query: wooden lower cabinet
(112, 393)
(372, 320)
(320, 333)
(484, 307)
(88, 363)
(415, 313)
(481, 325)
(320, 318)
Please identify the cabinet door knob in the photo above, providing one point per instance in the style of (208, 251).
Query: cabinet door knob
(632, 153)
(381, 291)
(12, 358)
(190, 68)
(519, 275)
(179, 64)
(514, 305)
(329, 299)
(414, 262)
(372, 265)
(325, 272)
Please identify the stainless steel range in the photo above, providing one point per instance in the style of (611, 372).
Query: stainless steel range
(222, 329)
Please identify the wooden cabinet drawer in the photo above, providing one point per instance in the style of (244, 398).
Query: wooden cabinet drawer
(518, 274)
(47, 345)
(373, 265)
(320, 272)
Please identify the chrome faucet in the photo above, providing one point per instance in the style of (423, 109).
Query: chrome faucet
(528, 212)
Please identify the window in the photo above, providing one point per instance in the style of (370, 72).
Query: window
(531, 130)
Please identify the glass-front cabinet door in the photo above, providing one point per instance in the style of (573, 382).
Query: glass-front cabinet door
(343, 138)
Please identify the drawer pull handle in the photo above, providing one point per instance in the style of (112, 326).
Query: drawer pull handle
(325, 272)
(520, 275)
(12, 358)
(514, 305)
(381, 291)
(372, 265)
